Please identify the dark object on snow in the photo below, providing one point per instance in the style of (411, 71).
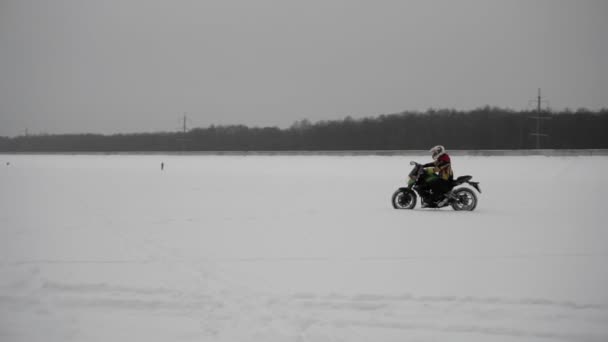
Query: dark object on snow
(419, 178)
(162, 166)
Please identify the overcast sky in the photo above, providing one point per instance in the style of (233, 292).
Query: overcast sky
(110, 66)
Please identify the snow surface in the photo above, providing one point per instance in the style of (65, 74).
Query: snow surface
(298, 248)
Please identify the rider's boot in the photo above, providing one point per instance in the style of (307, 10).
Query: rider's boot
(443, 202)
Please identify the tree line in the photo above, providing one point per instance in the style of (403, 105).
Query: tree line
(482, 128)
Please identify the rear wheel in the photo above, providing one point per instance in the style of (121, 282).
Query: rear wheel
(404, 199)
(464, 199)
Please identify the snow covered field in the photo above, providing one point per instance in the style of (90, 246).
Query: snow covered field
(298, 248)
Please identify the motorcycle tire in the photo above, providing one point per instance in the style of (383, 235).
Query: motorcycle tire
(404, 199)
(464, 199)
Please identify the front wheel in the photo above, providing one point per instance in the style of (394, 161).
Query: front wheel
(404, 199)
(464, 199)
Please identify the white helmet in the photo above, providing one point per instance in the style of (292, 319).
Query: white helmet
(437, 151)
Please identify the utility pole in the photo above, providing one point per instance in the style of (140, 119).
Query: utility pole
(185, 124)
(538, 134)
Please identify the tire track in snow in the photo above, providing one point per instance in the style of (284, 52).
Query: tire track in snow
(155, 246)
(476, 329)
(453, 299)
(495, 316)
(303, 312)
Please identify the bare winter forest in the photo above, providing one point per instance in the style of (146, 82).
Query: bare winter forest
(484, 128)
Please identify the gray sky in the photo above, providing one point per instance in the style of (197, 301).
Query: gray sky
(110, 66)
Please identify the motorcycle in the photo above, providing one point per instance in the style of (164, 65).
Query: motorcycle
(462, 198)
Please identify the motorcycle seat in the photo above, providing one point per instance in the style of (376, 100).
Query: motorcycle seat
(462, 179)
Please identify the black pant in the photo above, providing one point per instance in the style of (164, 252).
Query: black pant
(439, 187)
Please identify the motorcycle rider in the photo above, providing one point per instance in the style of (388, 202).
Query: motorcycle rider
(442, 167)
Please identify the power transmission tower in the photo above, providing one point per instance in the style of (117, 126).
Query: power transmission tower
(183, 140)
(539, 118)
